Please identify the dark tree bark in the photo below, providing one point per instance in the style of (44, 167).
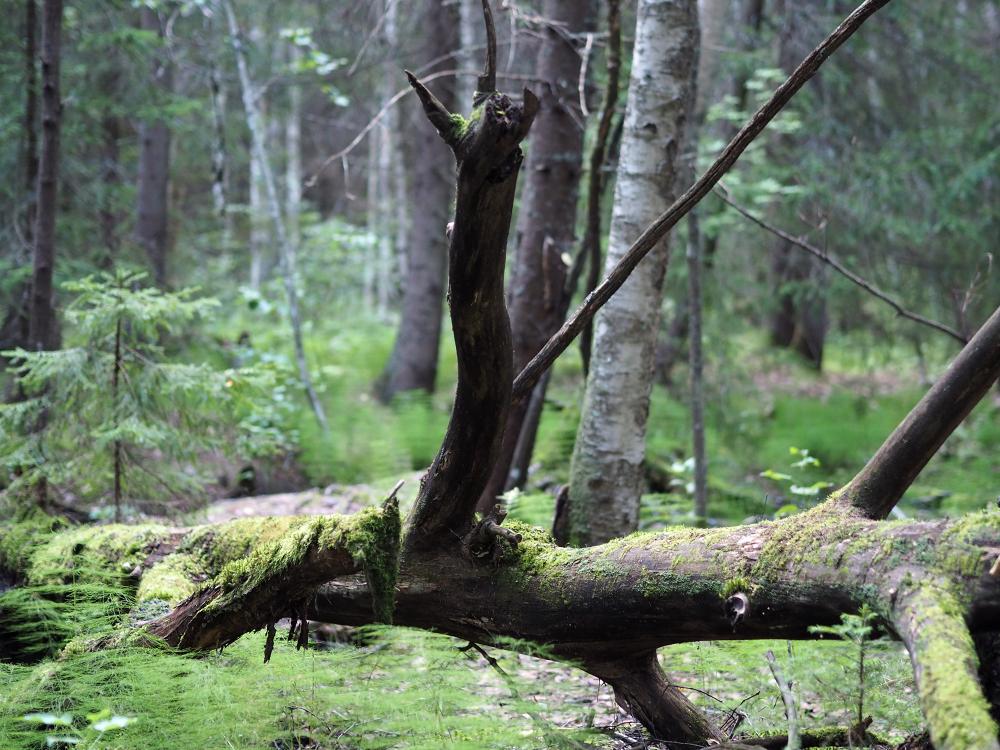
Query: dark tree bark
(413, 363)
(14, 326)
(110, 217)
(42, 330)
(152, 219)
(30, 114)
(798, 321)
(547, 221)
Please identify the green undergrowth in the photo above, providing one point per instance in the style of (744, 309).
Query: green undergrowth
(734, 675)
(403, 689)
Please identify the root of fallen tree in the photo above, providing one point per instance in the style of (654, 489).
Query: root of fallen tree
(934, 585)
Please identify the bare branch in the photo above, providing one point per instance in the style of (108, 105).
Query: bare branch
(659, 228)
(436, 112)
(793, 742)
(841, 269)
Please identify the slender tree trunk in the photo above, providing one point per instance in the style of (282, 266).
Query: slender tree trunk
(369, 282)
(220, 162)
(110, 218)
(42, 329)
(151, 226)
(14, 325)
(413, 363)
(30, 116)
(287, 254)
(470, 38)
(117, 445)
(694, 260)
(547, 220)
(293, 151)
(260, 235)
(384, 213)
(606, 475)
(799, 319)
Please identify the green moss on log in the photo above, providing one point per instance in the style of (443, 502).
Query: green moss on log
(957, 713)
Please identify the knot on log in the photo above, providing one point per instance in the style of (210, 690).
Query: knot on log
(737, 608)
(482, 540)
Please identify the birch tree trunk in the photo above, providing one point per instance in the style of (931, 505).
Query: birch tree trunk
(287, 254)
(151, 224)
(606, 474)
(547, 220)
(293, 150)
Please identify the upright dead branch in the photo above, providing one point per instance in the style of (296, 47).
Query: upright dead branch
(656, 231)
(877, 488)
(487, 82)
(487, 149)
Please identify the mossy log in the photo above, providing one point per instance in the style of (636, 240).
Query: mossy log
(606, 608)
(209, 585)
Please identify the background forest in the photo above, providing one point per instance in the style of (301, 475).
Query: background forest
(223, 254)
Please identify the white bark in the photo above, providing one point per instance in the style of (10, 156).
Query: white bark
(607, 469)
(293, 147)
(287, 256)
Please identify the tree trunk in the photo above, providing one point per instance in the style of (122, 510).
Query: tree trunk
(798, 321)
(470, 31)
(286, 251)
(413, 363)
(14, 325)
(151, 225)
(30, 116)
(293, 150)
(220, 161)
(694, 256)
(260, 233)
(547, 221)
(42, 329)
(607, 469)
(110, 217)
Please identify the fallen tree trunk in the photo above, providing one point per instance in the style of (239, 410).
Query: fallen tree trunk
(606, 608)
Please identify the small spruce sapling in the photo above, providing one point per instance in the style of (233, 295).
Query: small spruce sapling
(111, 419)
(856, 630)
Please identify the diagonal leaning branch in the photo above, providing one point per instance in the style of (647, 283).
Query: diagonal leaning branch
(877, 488)
(527, 378)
